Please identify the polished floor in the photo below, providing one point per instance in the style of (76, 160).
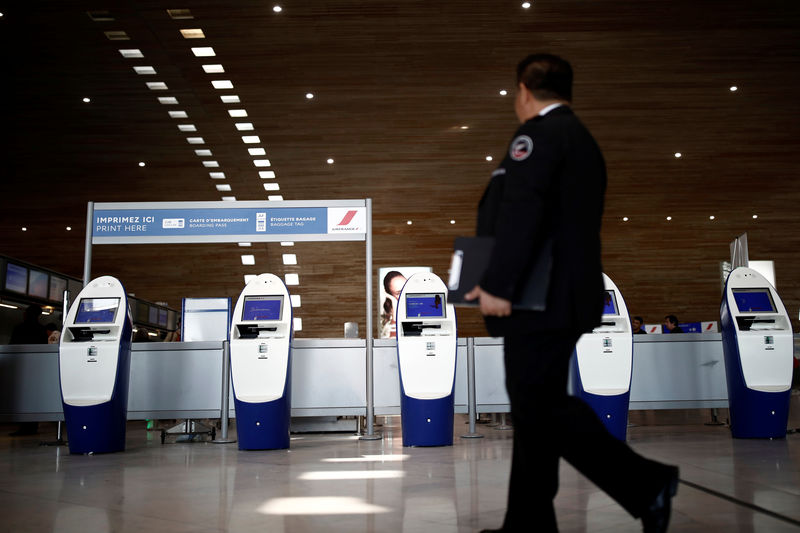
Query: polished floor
(336, 482)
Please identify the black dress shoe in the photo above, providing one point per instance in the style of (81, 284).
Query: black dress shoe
(656, 518)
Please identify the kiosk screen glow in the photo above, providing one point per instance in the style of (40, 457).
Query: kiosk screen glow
(610, 304)
(100, 310)
(753, 300)
(262, 308)
(425, 305)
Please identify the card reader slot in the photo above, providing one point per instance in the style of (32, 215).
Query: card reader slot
(86, 334)
(249, 331)
(414, 329)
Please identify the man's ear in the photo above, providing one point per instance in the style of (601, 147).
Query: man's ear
(525, 94)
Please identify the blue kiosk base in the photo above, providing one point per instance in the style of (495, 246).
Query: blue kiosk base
(427, 422)
(759, 415)
(263, 426)
(95, 428)
(611, 410)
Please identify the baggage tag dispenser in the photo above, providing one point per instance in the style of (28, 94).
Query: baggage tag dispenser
(426, 353)
(758, 347)
(603, 361)
(94, 360)
(261, 338)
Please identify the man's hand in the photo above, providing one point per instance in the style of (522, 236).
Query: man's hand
(490, 305)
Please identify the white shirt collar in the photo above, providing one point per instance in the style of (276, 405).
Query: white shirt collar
(549, 108)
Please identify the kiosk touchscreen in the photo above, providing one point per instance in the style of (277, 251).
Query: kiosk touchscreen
(603, 361)
(426, 352)
(94, 361)
(261, 337)
(758, 347)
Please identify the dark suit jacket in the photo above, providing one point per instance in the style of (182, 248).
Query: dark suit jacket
(550, 185)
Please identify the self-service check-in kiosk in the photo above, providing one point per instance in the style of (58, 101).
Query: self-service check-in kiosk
(94, 367)
(426, 352)
(758, 346)
(261, 339)
(603, 361)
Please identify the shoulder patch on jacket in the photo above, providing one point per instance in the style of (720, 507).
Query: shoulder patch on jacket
(521, 148)
(499, 172)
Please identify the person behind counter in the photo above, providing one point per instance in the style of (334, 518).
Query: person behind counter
(671, 324)
(637, 324)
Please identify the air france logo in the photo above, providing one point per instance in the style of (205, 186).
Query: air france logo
(521, 148)
(347, 218)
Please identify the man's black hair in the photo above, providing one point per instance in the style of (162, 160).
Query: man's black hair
(547, 76)
(672, 319)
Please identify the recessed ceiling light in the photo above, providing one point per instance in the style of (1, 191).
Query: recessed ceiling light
(117, 35)
(178, 114)
(223, 188)
(262, 162)
(464, 127)
(275, 197)
(187, 127)
(755, 216)
(131, 53)
(210, 164)
(145, 70)
(734, 88)
(237, 113)
(526, 5)
(452, 221)
(167, 100)
(272, 186)
(266, 174)
(156, 85)
(180, 14)
(309, 95)
(624, 219)
(195, 140)
(69, 228)
(297, 323)
(489, 158)
(97, 16)
(669, 218)
(249, 277)
(193, 33)
(678, 154)
(203, 153)
(277, 9)
(217, 175)
(228, 198)
(203, 51)
(248, 260)
(24, 228)
(295, 299)
(229, 99)
(292, 278)
(251, 139)
(87, 100)
(141, 163)
(287, 243)
(289, 259)
(245, 244)
(222, 84)
(712, 217)
(409, 222)
(330, 161)
(256, 151)
(244, 126)
(213, 69)
(503, 92)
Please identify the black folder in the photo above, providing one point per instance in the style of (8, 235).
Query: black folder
(471, 259)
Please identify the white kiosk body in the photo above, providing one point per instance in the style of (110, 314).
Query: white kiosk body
(602, 364)
(426, 353)
(94, 367)
(758, 347)
(261, 339)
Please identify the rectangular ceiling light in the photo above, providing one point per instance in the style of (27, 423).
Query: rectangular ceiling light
(100, 16)
(168, 100)
(229, 99)
(210, 164)
(251, 139)
(203, 51)
(271, 186)
(256, 151)
(180, 14)
(213, 69)
(245, 244)
(203, 153)
(244, 126)
(237, 113)
(261, 162)
(248, 278)
(224, 188)
(292, 278)
(248, 260)
(289, 259)
(228, 198)
(266, 174)
(147, 70)
(217, 175)
(193, 33)
(178, 114)
(131, 53)
(275, 197)
(117, 35)
(295, 298)
(156, 85)
(222, 84)
(287, 243)
(195, 140)
(187, 127)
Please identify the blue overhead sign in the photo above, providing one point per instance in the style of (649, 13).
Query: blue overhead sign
(222, 222)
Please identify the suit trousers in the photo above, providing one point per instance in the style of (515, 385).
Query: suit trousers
(550, 424)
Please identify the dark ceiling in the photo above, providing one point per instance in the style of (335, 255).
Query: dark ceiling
(394, 84)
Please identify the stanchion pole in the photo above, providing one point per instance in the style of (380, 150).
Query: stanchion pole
(226, 384)
(471, 397)
(370, 435)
